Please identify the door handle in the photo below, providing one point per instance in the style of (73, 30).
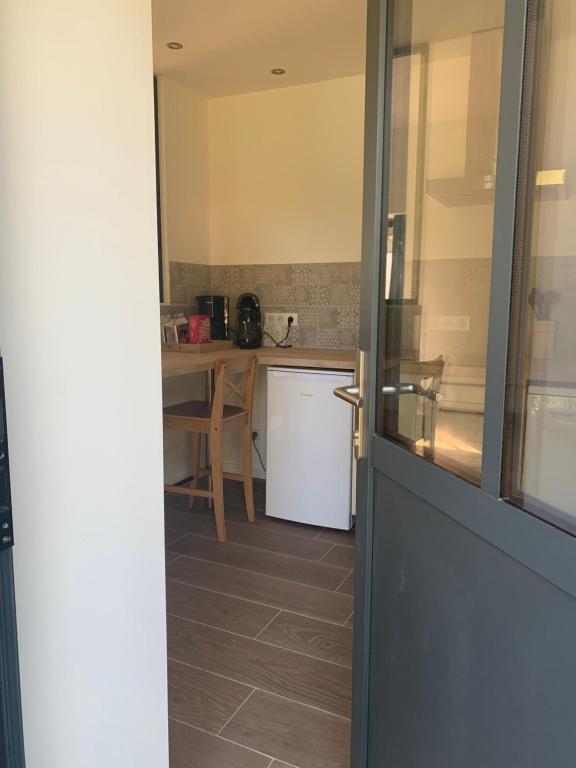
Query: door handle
(350, 395)
(354, 395)
(414, 389)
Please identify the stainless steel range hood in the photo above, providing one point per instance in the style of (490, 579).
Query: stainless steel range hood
(476, 186)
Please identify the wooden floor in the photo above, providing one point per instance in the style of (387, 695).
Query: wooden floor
(259, 640)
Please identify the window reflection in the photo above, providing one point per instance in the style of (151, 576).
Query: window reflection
(436, 284)
(541, 429)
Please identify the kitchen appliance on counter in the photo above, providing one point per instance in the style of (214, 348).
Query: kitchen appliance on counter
(249, 334)
(309, 475)
(218, 309)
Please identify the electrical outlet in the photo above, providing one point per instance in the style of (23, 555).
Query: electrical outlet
(276, 324)
(281, 318)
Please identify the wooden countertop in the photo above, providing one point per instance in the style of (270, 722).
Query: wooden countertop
(181, 363)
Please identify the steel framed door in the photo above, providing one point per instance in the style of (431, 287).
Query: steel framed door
(11, 736)
(466, 594)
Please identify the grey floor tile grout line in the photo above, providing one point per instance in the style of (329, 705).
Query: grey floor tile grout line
(350, 572)
(256, 640)
(262, 549)
(347, 620)
(258, 573)
(272, 620)
(232, 524)
(236, 711)
(319, 535)
(324, 555)
(293, 611)
(319, 532)
(223, 738)
(247, 524)
(176, 530)
(260, 690)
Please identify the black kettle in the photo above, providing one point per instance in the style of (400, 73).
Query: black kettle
(249, 334)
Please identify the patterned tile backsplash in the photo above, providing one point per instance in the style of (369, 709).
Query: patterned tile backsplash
(325, 296)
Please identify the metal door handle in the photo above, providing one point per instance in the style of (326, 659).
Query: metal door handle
(413, 389)
(350, 395)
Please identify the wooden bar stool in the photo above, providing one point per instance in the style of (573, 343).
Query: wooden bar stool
(199, 417)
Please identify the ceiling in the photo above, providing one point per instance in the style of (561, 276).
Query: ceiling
(230, 46)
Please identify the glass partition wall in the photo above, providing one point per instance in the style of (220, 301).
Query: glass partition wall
(540, 460)
(445, 94)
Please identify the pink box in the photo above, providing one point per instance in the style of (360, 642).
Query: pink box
(198, 329)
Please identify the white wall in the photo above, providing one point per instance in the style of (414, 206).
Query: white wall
(184, 173)
(79, 333)
(286, 174)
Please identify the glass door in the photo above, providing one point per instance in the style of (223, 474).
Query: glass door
(435, 290)
(541, 401)
(466, 591)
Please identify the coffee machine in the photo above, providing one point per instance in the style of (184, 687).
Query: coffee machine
(249, 335)
(217, 309)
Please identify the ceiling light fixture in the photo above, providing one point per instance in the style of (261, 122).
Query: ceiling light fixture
(174, 46)
(278, 71)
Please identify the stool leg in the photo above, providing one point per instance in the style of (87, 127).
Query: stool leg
(218, 483)
(195, 466)
(247, 471)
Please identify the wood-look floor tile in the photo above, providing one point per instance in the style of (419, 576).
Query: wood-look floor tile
(202, 699)
(303, 679)
(191, 748)
(343, 557)
(171, 536)
(175, 502)
(350, 621)
(254, 536)
(347, 586)
(237, 514)
(216, 610)
(202, 525)
(171, 557)
(276, 764)
(278, 541)
(280, 594)
(172, 516)
(310, 636)
(343, 538)
(237, 497)
(292, 732)
(261, 561)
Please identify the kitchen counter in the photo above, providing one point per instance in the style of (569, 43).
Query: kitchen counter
(182, 363)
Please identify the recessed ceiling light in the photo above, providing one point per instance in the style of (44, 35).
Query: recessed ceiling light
(174, 46)
(278, 71)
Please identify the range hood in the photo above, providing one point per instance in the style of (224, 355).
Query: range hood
(476, 186)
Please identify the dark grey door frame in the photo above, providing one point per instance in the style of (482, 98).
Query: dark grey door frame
(376, 130)
(537, 545)
(11, 733)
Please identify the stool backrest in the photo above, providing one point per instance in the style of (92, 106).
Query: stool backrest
(241, 387)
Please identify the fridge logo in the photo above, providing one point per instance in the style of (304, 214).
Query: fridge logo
(306, 394)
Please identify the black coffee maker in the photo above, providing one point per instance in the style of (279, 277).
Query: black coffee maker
(216, 307)
(249, 334)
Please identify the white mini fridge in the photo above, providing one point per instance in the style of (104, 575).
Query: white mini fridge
(309, 447)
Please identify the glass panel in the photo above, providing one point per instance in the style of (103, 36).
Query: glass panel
(540, 459)
(434, 297)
